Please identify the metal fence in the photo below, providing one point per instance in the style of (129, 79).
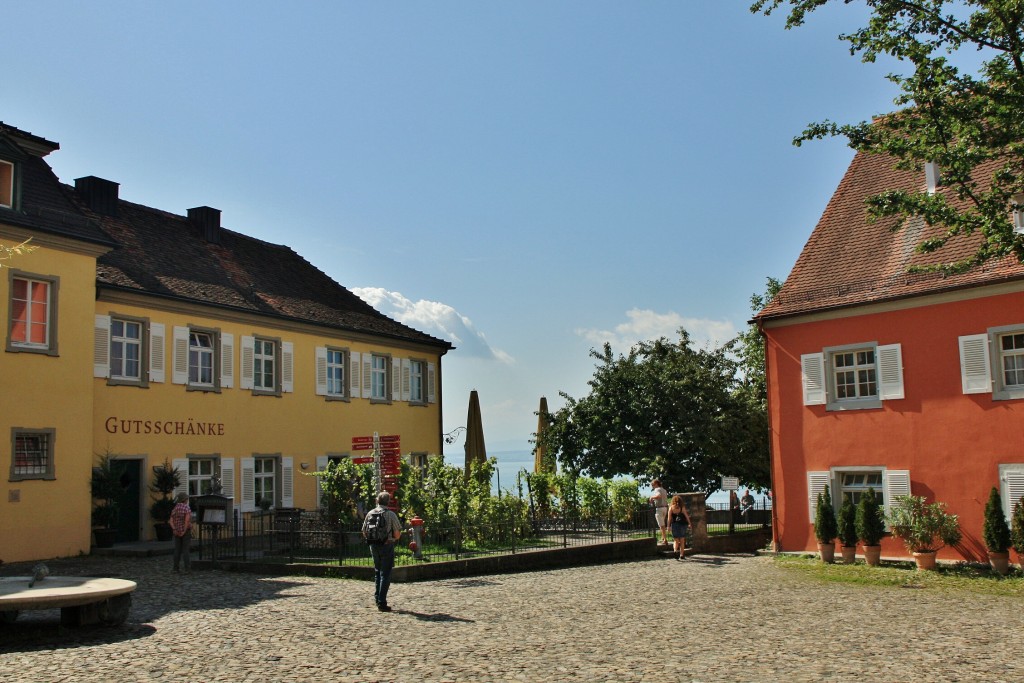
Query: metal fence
(720, 518)
(290, 536)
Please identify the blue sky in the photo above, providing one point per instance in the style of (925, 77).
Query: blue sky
(526, 179)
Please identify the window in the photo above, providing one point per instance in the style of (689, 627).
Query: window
(32, 454)
(128, 350)
(416, 393)
(263, 474)
(267, 481)
(853, 377)
(267, 365)
(200, 359)
(888, 485)
(1011, 486)
(125, 349)
(335, 372)
(932, 176)
(33, 308)
(201, 475)
(993, 362)
(378, 378)
(1018, 213)
(6, 184)
(203, 357)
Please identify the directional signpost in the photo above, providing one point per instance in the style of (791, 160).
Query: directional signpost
(385, 456)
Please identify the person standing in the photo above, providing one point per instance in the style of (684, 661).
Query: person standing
(680, 520)
(381, 529)
(659, 499)
(746, 505)
(181, 527)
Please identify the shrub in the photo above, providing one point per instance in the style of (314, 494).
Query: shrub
(870, 521)
(995, 530)
(847, 522)
(825, 528)
(923, 527)
(1017, 527)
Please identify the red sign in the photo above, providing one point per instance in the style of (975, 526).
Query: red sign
(391, 438)
(362, 461)
(362, 439)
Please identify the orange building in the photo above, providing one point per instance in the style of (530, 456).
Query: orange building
(907, 383)
(154, 337)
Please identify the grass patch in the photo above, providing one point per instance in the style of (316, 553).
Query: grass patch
(949, 578)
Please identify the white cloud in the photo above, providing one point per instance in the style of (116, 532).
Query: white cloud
(646, 325)
(435, 318)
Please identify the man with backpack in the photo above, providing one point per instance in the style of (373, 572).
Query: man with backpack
(381, 529)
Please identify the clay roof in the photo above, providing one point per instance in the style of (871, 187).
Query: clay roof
(849, 260)
(166, 255)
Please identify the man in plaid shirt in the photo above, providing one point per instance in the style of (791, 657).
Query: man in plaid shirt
(181, 525)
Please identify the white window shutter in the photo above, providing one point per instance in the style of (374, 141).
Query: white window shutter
(897, 483)
(227, 476)
(816, 483)
(287, 367)
(245, 362)
(890, 372)
(179, 371)
(1013, 489)
(407, 380)
(431, 383)
(157, 353)
(248, 503)
(396, 378)
(367, 375)
(101, 347)
(812, 373)
(287, 482)
(354, 365)
(975, 370)
(321, 371)
(181, 464)
(227, 360)
(321, 465)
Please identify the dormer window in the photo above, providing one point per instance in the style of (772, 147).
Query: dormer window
(932, 177)
(1018, 213)
(6, 184)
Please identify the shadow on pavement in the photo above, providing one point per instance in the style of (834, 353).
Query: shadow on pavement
(433, 617)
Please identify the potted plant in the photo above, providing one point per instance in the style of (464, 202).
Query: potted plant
(996, 533)
(924, 528)
(105, 485)
(165, 480)
(1017, 529)
(847, 533)
(870, 523)
(825, 528)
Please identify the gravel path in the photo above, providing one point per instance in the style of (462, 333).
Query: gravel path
(706, 619)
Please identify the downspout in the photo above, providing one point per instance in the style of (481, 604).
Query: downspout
(771, 455)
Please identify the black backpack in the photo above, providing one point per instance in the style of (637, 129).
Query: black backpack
(377, 526)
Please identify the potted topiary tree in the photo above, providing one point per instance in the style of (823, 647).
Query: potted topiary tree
(825, 529)
(870, 523)
(165, 480)
(847, 520)
(105, 485)
(1017, 529)
(924, 528)
(996, 533)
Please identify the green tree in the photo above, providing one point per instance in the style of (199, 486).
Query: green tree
(1017, 527)
(7, 253)
(870, 520)
(664, 410)
(995, 530)
(970, 124)
(847, 520)
(825, 527)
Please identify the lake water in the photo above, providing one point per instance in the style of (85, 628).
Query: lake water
(511, 463)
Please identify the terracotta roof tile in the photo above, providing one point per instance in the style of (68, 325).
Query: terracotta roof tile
(849, 260)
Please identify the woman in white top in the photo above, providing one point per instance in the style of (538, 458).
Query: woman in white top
(659, 499)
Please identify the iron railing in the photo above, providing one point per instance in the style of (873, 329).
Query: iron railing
(720, 518)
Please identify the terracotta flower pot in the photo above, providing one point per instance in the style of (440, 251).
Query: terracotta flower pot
(1000, 562)
(925, 560)
(849, 554)
(872, 554)
(828, 552)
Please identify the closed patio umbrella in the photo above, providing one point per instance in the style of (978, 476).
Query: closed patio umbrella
(475, 449)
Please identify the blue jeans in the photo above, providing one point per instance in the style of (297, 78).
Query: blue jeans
(383, 562)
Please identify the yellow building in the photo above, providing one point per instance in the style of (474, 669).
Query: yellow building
(171, 338)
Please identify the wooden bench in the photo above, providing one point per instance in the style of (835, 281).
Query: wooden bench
(82, 600)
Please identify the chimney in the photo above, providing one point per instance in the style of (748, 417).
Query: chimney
(207, 220)
(99, 195)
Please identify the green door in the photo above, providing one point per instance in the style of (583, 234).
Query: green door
(128, 505)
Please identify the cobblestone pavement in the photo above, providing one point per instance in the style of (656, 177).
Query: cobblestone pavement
(706, 619)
